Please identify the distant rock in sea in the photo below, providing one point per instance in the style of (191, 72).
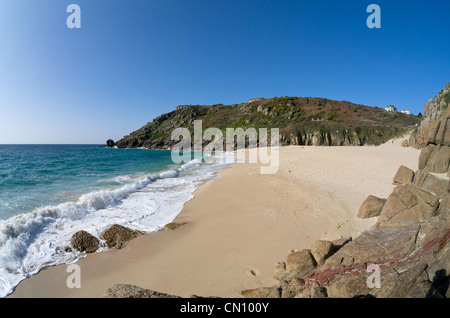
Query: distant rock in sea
(110, 143)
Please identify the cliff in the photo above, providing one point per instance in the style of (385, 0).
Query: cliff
(302, 121)
(435, 111)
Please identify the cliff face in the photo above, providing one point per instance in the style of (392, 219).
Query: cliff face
(433, 135)
(435, 111)
(302, 121)
(435, 108)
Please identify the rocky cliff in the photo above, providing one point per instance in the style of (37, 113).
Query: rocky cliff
(302, 121)
(433, 136)
(436, 113)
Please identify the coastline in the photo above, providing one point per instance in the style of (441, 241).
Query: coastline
(240, 224)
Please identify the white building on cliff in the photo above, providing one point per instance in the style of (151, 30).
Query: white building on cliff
(390, 108)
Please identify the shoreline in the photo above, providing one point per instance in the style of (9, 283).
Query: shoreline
(239, 225)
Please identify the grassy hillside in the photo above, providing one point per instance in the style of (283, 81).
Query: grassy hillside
(301, 120)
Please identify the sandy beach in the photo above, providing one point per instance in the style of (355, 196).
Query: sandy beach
(241, 224)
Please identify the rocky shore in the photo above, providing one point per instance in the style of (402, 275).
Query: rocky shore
(408, 245)
(409, 242)
(332, 218)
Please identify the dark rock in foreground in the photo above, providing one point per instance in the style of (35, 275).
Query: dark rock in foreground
(131, 291)
(117, 235)
(84, 242)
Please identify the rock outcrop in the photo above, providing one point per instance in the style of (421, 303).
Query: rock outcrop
(408, 246)
(404, 175)
(411, 253)
(117, 235)
(435, 127)
(438, 160)
(433, 135)
(321, 250)
(371, 207)
(296, 264)
(84, 242)
(110, 143)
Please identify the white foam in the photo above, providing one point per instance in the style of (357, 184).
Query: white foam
(30, 241)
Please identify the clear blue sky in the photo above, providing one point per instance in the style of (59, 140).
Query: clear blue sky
(133, 60)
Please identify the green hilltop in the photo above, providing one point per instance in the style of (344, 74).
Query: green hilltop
(301, 120)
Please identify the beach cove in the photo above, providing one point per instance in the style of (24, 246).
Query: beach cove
(241, 224)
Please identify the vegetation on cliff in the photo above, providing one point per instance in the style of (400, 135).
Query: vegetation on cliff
(301, 120)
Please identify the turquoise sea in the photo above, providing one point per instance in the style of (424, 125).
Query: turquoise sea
(48, 192)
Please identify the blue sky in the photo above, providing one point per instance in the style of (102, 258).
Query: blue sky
(133, 60)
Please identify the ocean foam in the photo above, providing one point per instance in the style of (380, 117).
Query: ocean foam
(31, 241)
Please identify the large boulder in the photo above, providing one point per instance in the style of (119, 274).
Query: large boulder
(442, 131)
(406, 280)
(425, 154)
(404, 175)
(437, 226)
(405, 143)
(426, 181)
(321, 250)
(84, 242)
(439, 160)
(375, 244)
(371, 207)
(297, 265)
(117, 235)
(341, 242)
(434, 127)
(419, 140)
(349, 286)
(407, 205)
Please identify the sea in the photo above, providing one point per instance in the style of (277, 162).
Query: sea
(49, 192)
